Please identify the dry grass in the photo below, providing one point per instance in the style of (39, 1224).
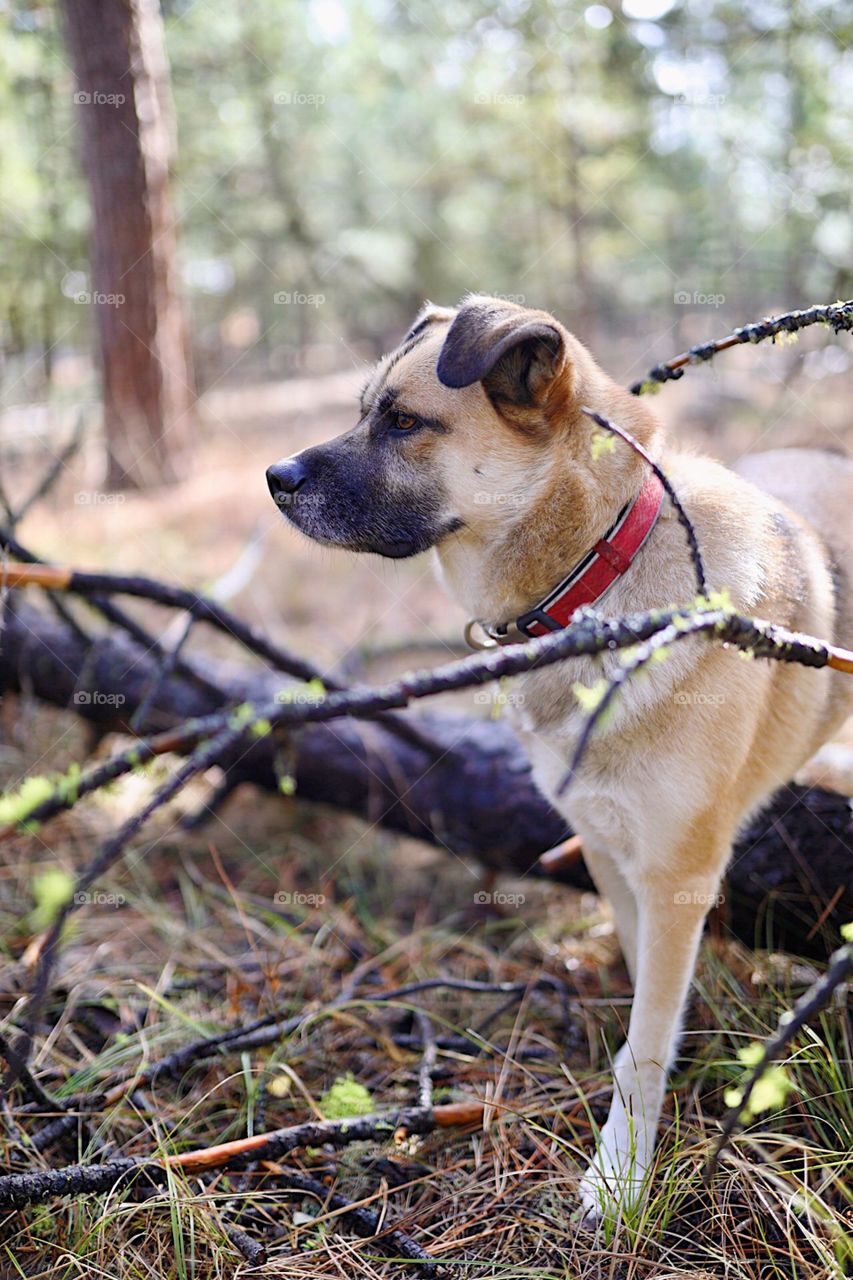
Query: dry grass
(200, 942)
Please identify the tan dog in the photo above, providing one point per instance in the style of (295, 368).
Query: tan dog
(471, 440)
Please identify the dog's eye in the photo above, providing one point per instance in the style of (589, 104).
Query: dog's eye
(404, 422)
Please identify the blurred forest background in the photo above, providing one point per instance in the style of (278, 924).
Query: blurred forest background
(655, 171)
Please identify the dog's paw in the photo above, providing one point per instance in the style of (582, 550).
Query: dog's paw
(607, 1198)
(614, 1185)
(593, 1196)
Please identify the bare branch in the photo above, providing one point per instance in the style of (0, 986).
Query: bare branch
(838, 315)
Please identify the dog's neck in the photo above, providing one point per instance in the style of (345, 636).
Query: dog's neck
(502, 572)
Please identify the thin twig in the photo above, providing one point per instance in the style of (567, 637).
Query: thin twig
(111, 613)
(271, 1028)
(838, 315)
(643, 654)
(363, 1221)
(165, 668)
(96, 586)
(28, 1081)
(18, 1189)
(684, 519)
(65, 797)
(55, 469)
(588, 635)
(790, 1024)
(203, 757)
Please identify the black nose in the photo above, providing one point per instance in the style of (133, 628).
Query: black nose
(285, 478)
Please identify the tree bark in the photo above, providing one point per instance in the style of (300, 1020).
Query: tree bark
(790, 881)
(123, 96)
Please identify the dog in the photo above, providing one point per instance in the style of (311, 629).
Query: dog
(471, 441)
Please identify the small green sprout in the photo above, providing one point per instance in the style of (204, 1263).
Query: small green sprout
(241, 716)
(602, 442)
(346, 1099)
(769, 1091)
(589, 697)
(16, 806)
(52, 890)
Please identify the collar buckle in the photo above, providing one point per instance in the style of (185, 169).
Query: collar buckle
(539, 615)
(478, 635)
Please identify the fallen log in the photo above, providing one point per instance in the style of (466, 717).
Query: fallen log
(790, 882)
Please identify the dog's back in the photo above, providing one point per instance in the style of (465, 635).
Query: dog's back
(818, 487)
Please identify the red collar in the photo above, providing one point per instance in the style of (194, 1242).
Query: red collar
(593, 576)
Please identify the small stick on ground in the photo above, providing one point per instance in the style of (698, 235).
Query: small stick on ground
(18, 1189)
(253, 1251)
(364, 1222)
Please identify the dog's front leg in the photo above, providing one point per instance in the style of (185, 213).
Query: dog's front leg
(670, 918)
(612, 885)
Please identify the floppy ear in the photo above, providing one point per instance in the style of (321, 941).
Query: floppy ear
(514, 353)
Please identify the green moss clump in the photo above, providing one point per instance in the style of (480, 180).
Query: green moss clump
(346, 1099)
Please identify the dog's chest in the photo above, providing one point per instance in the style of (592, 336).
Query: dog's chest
(617, 797)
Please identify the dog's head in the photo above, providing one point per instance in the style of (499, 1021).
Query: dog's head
(463, 429)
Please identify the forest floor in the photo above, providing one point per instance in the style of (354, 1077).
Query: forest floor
(276, 906)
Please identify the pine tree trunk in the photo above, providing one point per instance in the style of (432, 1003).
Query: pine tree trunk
(123, 98)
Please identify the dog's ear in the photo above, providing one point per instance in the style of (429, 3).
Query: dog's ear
(515, 353)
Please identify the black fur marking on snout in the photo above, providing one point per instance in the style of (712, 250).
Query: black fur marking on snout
(355, 494)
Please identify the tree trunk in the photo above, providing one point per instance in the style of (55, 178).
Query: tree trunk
(122, 74)
(789, 884)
